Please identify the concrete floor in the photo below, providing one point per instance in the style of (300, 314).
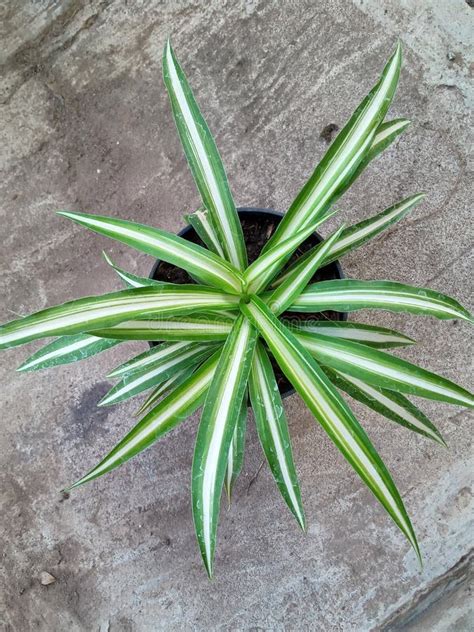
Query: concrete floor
(86, 125)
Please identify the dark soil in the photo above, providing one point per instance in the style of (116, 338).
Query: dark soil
(258, 227)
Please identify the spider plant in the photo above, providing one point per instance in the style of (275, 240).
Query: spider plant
(217, 335)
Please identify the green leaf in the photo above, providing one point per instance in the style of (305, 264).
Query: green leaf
(292, 286)
(131, 280)
(273, 433)
(378, 337)
(392, 405)
(175, 358)
(201, 221)
(204, 160)
(93, 312)
(145, 359)
(331, 411)
(260, 272)
(173, 409)
(348, 295)
(197, 328)
(343, 156)
(235, 458)
(66, 349)
(383, 370)
(175, 380)
(386, 133)
(218, 420)
(358, 234)
(166, 246)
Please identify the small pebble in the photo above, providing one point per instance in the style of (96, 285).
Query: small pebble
(46, 578)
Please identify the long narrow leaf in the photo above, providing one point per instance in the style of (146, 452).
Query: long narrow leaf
(273, 433)
(343, 156)
(383, 370)
(65, 350)
(235, 458)
(392, 405)
(348, 295)
(358, 234)
(145, 359)
(371, 335)
(173, 409)
(163, 245)
(131, 280)
(197, 328)
(201, 221)
(331, 411)
(261, 271)
(93, 312)
(136, 382)
(292, 286)
(204, 160)
(219, 417)
(162, 389)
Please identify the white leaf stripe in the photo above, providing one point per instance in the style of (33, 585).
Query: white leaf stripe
(141, 361)
(204, 159)
(343, 156)
(347, 295)
(292, 286)
(261, 271)
(175, 380)
(173, 409)
(200, 220)
(392, 405)
(86, 314)
(331, 411)
(381, 369)
(65, 350)
(218, 420)
(159, 243)
(273, 433)
(132, 280)
(202, 328)
(357, 332)
(138, 381)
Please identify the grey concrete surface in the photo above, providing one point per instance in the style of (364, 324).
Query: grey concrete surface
(86, 125)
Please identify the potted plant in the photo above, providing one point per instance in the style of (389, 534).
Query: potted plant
(235, 330)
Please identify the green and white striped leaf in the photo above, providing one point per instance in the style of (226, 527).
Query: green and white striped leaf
(348, 295)
(131, 280)
(173, 409)
(331, 411)
(235, 459)
(293, 285)
(93, 312)
(358, 234)
(218, 420)
(189, 328)
(159, 243)
(273, 432)
(388, 403)
(65, 350)
(383, 370)
(201, 221)
(204, 160)
(175, 380)
(171, 360)
(378, 337)
(260, 272)
(386, 133)
(145, 359)
(343, 156)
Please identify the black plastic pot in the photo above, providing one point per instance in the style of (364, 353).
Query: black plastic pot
(263, 221)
